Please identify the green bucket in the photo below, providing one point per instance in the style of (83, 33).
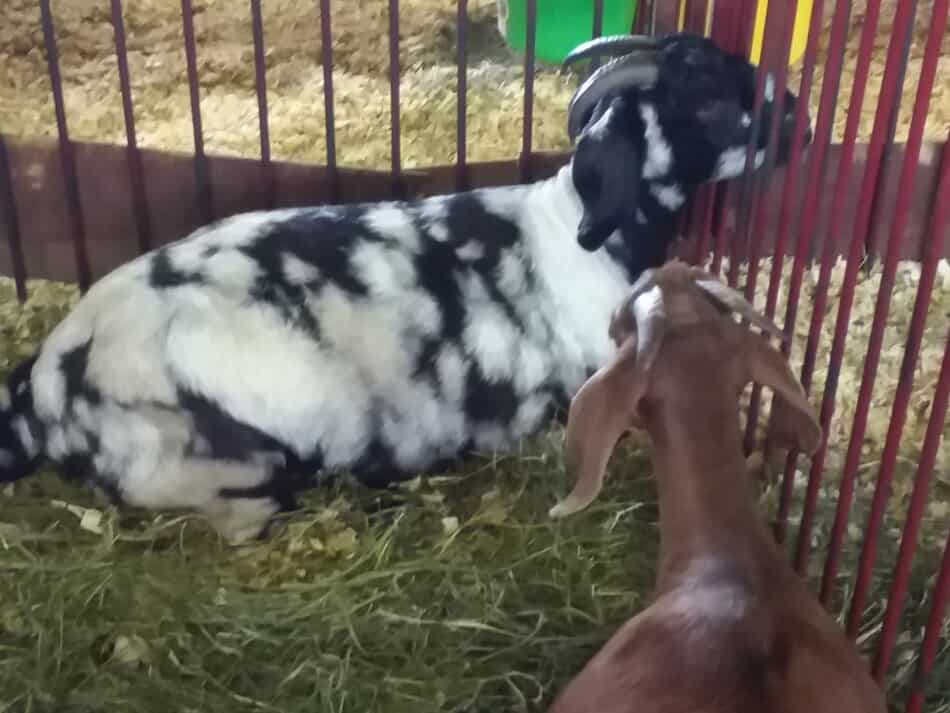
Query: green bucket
(561, 24)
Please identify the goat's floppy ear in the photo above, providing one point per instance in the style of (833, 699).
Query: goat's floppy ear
(793, 421)
(606, 170)
(606, 405)
(600, 412)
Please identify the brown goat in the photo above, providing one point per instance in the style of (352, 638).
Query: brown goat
(732, 627)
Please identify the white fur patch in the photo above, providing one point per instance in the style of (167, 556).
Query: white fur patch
(659, 158)
(731, 162)
(239, 230)
(285, 385)
(386, 272)
(489, 335)
(5, 400)
(393, 222)
(576, 290)
(531, 368)
(415, 422)
(299, 272)
(511, 273)
(529, 415)
(451, 371)
(471, 251)
(23, 433)
(670, 197)
(230, 270)
(434, 212)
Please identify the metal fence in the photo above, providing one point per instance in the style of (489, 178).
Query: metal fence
(832, 201)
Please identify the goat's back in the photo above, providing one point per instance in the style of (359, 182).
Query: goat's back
(720, 648)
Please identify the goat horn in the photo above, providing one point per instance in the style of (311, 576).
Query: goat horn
(737, 303)
(643, 283)
(632, 70)
(614, 45)
(650, 317)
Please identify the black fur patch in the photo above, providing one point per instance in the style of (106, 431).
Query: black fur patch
(374, 469)
(426, 362)
(489, 401)
(468, 219)
(73, 364)
(439, 267)
(229, 439)
(323, 239)
(21, 406)
(226, 437)
(164, 275)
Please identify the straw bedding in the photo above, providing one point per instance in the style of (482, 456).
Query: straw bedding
(453, 593)
(361, 85)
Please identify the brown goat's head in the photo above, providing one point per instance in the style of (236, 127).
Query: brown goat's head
(675, 333)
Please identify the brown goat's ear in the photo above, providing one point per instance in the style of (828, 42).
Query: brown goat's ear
(793, 423)
(603, 408)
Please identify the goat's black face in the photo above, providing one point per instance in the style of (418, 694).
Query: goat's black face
(705, 103)
(646, 147)
(606, 171)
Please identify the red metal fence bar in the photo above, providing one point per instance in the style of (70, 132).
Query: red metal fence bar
(461, 180)
(694, 16)
(753, 229)
(836, 227)
(260, 84)
(779, 20)
(527, 116)
(791, 185)
(895, 601)
(872, 358)
(809, 211)
(745, 186)
(202, 177)
(66, 154)
(698, 222)
(326, 59)
(890, 92)
(11, 221)
(895, 110)
(694, 21)
(727, 33)
(941, 593)
(143, 223)
(394, 122)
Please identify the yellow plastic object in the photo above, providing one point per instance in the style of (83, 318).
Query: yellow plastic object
(799, 32)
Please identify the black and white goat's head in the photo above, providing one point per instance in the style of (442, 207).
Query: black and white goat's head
(666, 114)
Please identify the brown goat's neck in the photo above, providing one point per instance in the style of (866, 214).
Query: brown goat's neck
(707, 509)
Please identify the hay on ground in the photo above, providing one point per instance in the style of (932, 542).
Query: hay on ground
(361, 85)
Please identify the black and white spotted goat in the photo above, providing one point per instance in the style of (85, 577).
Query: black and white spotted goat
(225, 372)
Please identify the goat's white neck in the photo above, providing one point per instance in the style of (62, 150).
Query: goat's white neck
(582, 287)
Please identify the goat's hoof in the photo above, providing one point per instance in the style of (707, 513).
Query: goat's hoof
(242, 521)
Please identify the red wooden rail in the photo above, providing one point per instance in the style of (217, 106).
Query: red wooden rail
(63, 216)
